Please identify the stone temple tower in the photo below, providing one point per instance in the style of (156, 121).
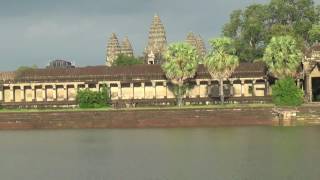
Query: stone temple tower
(157, 42)
(126, 47)
(201, 47)
(197, 42)
(113, 49)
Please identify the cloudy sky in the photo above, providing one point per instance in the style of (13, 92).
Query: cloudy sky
(37, 31)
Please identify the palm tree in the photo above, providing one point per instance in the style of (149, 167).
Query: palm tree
(181, 63)
(282, 57)
(221, 61)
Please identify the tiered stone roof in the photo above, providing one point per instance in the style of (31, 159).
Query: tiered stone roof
(197, 42)
(157, 40)
(201, 46)
(113, 49)
(5, 76)
(125, 73)
(126, 47)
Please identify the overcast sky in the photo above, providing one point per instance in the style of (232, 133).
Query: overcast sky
(37, 31)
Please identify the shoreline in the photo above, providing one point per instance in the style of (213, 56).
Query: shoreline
(150, 117)
(142, 118)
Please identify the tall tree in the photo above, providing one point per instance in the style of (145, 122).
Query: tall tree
(247, 29)
(282, 57)
(181, 63)
(221, 61)
(314, 33)
(253, 27)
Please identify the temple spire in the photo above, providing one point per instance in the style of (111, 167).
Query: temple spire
(197, 42)
(157, 40)
(201, 47)
(126, 47)
(113, 49)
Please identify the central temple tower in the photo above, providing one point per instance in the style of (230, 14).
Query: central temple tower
(157, 42)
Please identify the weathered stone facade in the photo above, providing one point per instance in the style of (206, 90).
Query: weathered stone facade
(197, 42)
(139, 82)
(157, 42)
(126, 47)
(311, 74)
(113, 49)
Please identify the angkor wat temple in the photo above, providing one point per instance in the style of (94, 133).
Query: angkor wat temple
(146, 84)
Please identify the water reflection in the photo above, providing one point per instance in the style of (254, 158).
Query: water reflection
(162, 154)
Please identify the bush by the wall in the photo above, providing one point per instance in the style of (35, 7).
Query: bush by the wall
(286, 93)
(91, 99)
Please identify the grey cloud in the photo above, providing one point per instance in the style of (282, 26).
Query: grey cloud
(35, 32)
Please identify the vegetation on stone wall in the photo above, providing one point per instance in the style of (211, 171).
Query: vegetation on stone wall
(253, 27)
(124, 60)
(181, 63)
(286, 93)
(221, 61)
(93, 99)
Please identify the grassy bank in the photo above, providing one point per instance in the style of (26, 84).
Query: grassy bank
(226, 106)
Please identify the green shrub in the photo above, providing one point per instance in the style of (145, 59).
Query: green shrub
(124, 60)
(91, 99)
(286, 93)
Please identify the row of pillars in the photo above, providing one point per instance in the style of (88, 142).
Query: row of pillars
(65, 87)
(44, 90)
(198, 83)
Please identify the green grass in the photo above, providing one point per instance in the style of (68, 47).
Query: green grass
(226, 106)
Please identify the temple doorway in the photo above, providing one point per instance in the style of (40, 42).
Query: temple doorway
(316, 89)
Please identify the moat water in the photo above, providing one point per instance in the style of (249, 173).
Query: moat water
(231, 153)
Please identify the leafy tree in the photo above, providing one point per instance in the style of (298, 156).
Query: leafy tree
(252, 28)
(20, 70)
(26, 68)
(124, 60)
(282, 56)
(314, 33)
(247, 29)
(181, 63)
(221, 61)
(91, 99)
(286, 93)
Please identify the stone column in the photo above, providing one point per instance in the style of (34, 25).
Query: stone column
(199, 87)
(44, 93)
(65, 89)
(166, 91)
(76, 88)
(33, 97)
(308, 87)
(231, 87)
(1, 93)
(266, 87)
(12, 94)
(119, 91)
(242, 89)
(253, 87)
(132, 89)
(143, 85)
(154, 85)
(209, 88)
(23, 94)
(54, 92)
(298, 83)
(98, 87)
